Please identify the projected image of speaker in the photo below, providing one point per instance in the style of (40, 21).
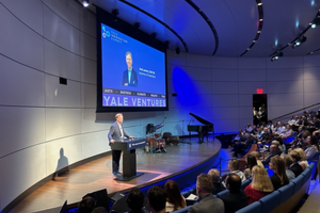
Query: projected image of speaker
(101, 198)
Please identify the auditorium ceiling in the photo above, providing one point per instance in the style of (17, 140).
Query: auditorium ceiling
(247, 28)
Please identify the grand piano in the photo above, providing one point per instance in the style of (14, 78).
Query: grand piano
(201, 129)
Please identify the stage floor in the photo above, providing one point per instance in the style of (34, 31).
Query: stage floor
(96, 175)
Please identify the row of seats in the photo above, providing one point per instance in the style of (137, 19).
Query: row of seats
(271, 201)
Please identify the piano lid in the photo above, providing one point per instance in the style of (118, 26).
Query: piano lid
(201, 120)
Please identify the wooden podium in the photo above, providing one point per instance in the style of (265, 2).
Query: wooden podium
(129, 163)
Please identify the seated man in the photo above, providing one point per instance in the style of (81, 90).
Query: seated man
(157, 199)
(233, 166)
(248, 128)
(236, 198)
(206, 203)
(217, 185)
(246, 140)
(280, 129)
(274, 151)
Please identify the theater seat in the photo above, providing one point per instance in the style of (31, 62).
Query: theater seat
(298, 183)
(184, 210)
(307, 173)
(269, 202)
(286, 192)
(246, 183)
(254, 207)
(222, 193)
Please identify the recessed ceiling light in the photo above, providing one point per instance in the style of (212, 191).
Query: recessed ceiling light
(85, 3)
(259, 4)
(261, 19)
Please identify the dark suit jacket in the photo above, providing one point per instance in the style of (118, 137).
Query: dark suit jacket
(296, 169)
(234, 201)
(206, 204)
(267, 160)
(115, 133)
(133, 80)
(217, 187)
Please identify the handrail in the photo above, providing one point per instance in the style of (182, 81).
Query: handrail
(304, 108)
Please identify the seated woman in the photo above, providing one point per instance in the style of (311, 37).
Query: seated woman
(250, 163)
(175, 200)
(279, 177)
(303, 162)
(257, 156)
(260, 186)
(312, 147)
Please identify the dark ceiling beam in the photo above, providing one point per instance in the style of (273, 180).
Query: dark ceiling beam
(158, 20)
(205, 17)
(299, 36)
(261, 20)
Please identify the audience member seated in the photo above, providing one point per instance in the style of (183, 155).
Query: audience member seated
(270, 124)
(135, 201)
(291, 121)
(288, 161)
(260, 186)
(303, 162)
(279, 147)
(156, 199)
(254, 130)
(206, 203)
(245, 141)
(248, 128)
(295, 167)
(250, 163)
(175, 200)
(280, 129)
(236, 198)
(86, 205)
(233, 166)
(237, 138)
(297, 142)
(274, 151)
(312, 147)
(217, 185)
(257, 156)
(100, 210)
(279, 177)
(287, 132)
(303, 121)
(260, 132)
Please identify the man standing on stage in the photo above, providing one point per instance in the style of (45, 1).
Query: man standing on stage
(117, 133)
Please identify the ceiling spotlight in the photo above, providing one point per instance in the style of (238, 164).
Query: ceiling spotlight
(259, 4)
(299, 41)
(85, 3)
(277, 56)
(313, 25)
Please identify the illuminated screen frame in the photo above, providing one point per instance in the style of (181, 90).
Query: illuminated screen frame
(127, 29)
